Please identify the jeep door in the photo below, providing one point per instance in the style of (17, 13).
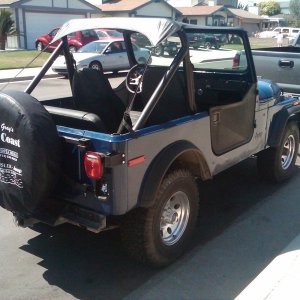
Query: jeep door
(227, 91)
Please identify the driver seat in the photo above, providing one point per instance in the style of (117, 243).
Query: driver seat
(93, 93)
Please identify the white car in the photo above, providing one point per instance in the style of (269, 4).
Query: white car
(103, 55)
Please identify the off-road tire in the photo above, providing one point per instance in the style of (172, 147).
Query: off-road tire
(142, 228)
(278, 163)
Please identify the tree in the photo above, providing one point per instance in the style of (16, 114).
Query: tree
(269, 8)
(295, 12)
(6, 27)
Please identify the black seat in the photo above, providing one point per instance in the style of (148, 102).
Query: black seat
(94, 94)
(173, 102)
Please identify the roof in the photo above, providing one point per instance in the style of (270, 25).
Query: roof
(244, 14)
(8, 2)
(155, 29)
(209, 10)
(199, 10)
(129, 5)
(17, 3)
(123, 5)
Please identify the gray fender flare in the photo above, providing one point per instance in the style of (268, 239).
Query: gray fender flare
(181, 152)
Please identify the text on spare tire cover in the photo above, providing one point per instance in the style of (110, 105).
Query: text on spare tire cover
(9, 171)
(6, 139)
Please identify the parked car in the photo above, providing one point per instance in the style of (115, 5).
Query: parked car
(109, 34)
(166, 46)
(76, 40)
(286, 31)
(295, 41)
(102, 55)
(207, 41)
(134, 157)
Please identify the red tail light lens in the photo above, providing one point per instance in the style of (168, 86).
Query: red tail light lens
(236, 61)
(93, 165)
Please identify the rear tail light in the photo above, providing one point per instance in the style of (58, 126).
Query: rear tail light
(236, 61)
(93, 165)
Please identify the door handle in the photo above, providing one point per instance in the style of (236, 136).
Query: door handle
(286, 63)
(215, 118)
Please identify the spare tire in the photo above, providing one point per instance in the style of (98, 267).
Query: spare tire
(30, 154)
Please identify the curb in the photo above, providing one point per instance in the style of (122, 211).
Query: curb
(16, 79)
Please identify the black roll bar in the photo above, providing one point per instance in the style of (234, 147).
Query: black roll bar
(164, 82)
(44, 69)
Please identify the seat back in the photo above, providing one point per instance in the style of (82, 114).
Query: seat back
(94, 94)
(173, 102)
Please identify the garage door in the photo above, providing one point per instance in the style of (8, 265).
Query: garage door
(41, 23)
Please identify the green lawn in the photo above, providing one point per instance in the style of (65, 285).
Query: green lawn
(20, 59)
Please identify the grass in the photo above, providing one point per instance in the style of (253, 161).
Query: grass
(20, 58)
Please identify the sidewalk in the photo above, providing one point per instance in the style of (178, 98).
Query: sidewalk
(280, 279)
(25, 74)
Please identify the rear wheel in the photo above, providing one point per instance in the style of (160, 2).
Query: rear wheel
(159, 234)
(277, 163)
(159, 50)
(142, 60)
(72, 49)
(96, 66)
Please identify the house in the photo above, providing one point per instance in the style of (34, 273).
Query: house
(138, 8)
(35, 17)
(221, 16)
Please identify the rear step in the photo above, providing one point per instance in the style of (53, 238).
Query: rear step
(83, 217)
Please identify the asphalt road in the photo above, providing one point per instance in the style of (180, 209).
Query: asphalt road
(243, 224)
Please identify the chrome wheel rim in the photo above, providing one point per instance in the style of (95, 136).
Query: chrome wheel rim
(39, 46)
(288, 152)
(174, 218)
(95, 67)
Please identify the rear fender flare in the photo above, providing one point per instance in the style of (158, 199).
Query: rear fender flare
(181, 153)
(279, 123)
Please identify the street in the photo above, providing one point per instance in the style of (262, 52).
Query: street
(244, 223)
(45, 89)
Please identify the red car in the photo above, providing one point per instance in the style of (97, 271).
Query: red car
(76, 39)
(110, 34)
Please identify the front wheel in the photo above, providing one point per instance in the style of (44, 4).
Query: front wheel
(277, 163)
(40, 46)
(207, 45)
(159, 234)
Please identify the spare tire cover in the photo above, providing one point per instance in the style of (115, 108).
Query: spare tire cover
(30, 153)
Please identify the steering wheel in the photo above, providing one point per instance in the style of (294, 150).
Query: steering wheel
(133, 78)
